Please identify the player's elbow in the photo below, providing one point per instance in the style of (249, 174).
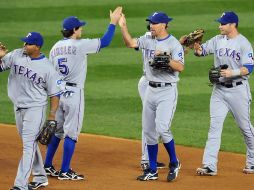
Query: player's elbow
(131, 45)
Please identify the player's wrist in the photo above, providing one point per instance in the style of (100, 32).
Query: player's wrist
(113, 21)
(235, 72)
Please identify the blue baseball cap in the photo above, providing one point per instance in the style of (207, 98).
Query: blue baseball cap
(159, 17)
(72, 22)
(228, 17)
(33, 38)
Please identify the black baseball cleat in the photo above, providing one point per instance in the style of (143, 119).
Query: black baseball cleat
(70, 175)
(174, 169)
(148, 175)
(160, 165)
(145, 166)
(205, 171)
(51, 171)
(248, 170)
(17, 188)
(36, 185)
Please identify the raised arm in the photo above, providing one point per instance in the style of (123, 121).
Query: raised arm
(128, 40)
(114, 18)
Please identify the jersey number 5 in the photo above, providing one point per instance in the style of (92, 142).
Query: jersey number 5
(62, 67)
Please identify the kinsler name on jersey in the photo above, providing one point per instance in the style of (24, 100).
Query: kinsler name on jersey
(31, 75)
(64, 50)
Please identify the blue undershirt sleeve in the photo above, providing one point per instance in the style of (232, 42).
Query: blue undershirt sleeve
(108, 36)
(249, 67)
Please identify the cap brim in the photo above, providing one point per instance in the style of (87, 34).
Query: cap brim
(82, 23)
(25, 40)
(169, 19)
(219, 20)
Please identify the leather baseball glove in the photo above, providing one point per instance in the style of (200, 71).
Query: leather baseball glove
(47, 131)
(191, 38)
(3, 50)
(161, 62)
(214, 73)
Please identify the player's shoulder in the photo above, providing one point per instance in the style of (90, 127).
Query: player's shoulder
(173, 40)
(44, 62)
(87, 40)
(243, 39)
(219, 37)
(148, 35)
(18, 52)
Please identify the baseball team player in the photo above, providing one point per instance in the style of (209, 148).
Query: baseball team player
(31, 80)
(232, 93)
(142, 86)
(160, 98)
(69, 57)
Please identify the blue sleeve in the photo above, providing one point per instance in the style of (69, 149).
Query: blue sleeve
(108, 36)
(58, 95)
(249, 67)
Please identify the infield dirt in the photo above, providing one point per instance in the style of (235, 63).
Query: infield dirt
(113, 164)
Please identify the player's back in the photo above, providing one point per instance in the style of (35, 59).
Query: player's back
(69, 57)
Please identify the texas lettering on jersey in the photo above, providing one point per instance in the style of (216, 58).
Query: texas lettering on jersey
(227, 52)
(28, 73)
(148, 53)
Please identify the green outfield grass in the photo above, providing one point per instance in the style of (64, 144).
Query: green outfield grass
(113, 106)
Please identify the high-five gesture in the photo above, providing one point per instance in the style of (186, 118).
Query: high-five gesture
(115, 15)
(122, 21)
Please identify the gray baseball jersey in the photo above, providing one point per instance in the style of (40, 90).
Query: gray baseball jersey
(30, 81)
(232, 52)
(160, 102)
(69, 57)
(149, 48)
(235, 98)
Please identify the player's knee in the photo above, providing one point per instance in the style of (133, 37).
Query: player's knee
(151, 138)
(162, 128)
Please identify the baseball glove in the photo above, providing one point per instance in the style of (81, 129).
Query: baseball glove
(47, 131)
(161, 62)
(195, 36)
(214, 73)
(3, 50)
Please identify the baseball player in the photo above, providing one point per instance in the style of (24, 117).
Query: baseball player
(69, 57)
(161, 95)
(142, 86)
(231, 93)
(31, 80)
